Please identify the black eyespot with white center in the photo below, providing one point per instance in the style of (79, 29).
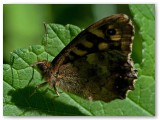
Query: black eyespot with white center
(111, 32)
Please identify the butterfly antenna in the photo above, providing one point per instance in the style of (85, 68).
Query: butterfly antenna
(11, 63)
(32, 75)
(46, 36)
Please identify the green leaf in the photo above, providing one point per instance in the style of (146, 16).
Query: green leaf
(20, 79)
(144, 16)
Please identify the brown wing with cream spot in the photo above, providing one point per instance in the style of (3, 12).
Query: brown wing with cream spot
(111, 33)
(97, 62)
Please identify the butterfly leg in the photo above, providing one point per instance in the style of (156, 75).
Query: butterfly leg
(56, 90)
(54, 84)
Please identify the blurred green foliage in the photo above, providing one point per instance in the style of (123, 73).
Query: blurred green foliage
(23, 23)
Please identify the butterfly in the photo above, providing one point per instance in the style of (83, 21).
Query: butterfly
(96, 64)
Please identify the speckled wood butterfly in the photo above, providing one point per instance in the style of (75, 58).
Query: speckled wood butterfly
(96, 64)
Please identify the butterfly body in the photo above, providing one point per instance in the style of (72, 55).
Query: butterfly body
(96, 64)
